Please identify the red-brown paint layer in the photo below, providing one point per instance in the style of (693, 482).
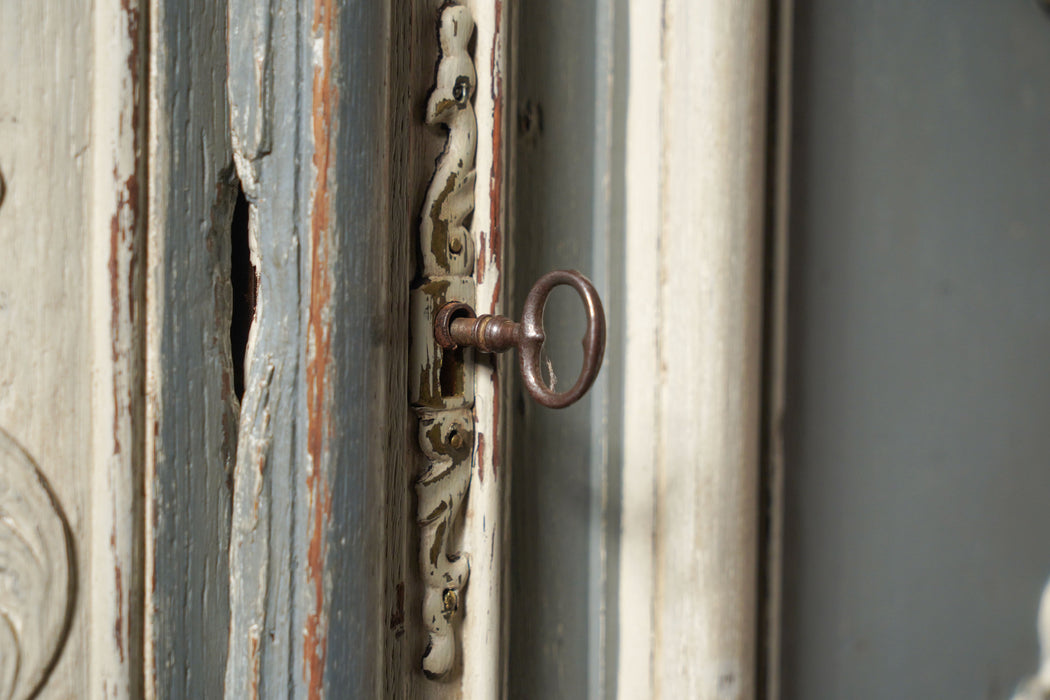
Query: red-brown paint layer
(496, 209)
(124, 237)
(496, 177)
(118, 625)
(325, 99)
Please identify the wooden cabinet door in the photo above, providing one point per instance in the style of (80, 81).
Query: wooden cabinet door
(210, 222)
(189, 509)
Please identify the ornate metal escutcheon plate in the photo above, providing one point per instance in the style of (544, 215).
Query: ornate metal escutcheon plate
(442, 382)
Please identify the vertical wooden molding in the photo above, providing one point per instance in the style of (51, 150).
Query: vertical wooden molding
(267, 560)
(309, 103)
(485, 531)
(118, 249)
(696, 173)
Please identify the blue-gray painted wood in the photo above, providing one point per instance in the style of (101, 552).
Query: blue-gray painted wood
(267, 545)
(918, 390)
(191, 385)
(567, 203)
(330, 142)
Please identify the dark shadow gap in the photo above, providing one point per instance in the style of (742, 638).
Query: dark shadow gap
(244, 280)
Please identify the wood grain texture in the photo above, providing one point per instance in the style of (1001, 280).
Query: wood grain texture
(192, 408)
(71, 306)
(696, 145)
(47, 154)
(118, 319)
(268, 546)
(485, 531)
(320, 596)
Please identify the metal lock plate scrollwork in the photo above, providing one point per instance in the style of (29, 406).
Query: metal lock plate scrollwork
(442, 383)
(446, 333)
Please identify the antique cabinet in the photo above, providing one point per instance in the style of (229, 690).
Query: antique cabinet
(210, 218)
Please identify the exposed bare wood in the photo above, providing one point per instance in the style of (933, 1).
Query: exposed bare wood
(776, 348)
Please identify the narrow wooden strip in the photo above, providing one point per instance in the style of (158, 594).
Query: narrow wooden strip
(776, 348)
(485, 532)
(689, 561)
(191, 416)
(118, 246)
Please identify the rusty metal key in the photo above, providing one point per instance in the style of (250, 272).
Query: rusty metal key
(457, 325)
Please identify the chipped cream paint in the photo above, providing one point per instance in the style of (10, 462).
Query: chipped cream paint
(70, 317)
(484, 631)
(191, 407)
(443, 402)
(118, 209)
(37, 575)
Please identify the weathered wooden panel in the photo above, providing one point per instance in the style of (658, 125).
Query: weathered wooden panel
(192, 407)
(330, 144)
(268, 550)
(118, 319)
(485, 530)
(695, 169)
(320, 593)
(71, 128)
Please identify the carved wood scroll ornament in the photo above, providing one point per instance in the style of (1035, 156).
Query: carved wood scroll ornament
(36, 574)
(442, 383)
